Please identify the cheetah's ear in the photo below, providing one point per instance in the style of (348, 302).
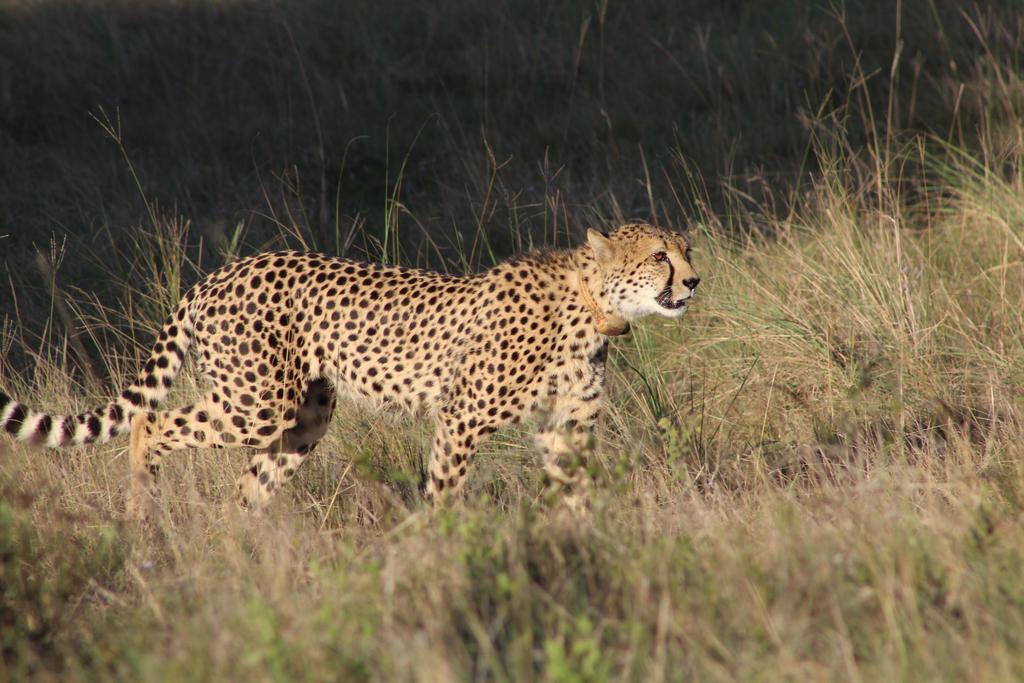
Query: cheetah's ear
(600, 243)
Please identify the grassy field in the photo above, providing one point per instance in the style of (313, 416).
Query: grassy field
(817, 475)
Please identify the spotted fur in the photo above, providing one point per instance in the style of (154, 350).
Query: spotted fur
(279, 334)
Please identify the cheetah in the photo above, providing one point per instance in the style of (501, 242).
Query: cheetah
(280, 335)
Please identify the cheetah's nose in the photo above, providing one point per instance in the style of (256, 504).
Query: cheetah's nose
(692, 282)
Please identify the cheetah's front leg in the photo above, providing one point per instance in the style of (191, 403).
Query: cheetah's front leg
(455, 442)
(564, 439)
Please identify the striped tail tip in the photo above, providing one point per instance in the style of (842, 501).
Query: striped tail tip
(54, 431)
(12, 415)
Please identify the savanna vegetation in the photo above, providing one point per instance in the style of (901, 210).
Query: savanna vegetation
(817, 475)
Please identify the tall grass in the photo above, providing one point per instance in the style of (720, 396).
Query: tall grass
(816, 476)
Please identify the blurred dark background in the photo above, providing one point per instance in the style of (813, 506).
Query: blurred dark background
(447, 134)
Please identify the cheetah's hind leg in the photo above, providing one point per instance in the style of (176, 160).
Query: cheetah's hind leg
(143, 471)
(271, 468)
(206, 424)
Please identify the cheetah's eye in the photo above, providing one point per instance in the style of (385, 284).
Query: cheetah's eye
(659, 256)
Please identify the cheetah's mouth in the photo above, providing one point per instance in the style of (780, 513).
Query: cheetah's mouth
(665, 300)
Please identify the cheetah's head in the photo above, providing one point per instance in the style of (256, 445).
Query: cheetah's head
(646, 270)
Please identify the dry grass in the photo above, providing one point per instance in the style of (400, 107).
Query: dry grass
(817, 476)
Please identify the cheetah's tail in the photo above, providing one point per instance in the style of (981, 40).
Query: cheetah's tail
(102, 424)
